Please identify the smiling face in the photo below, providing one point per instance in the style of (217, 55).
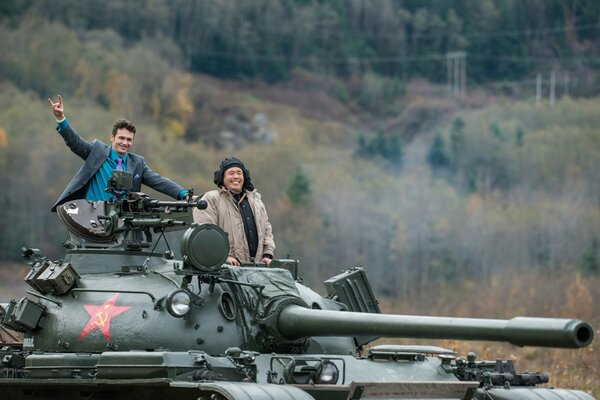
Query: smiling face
(121, 141)
(233, 179)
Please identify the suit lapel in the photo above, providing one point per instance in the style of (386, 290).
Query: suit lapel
(133, 167)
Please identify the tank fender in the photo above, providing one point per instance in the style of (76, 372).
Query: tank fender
(248, 391)
(521, 393)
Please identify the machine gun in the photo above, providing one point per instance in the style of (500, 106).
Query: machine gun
(120, 220)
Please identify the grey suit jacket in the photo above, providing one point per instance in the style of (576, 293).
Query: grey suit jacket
(94, 154)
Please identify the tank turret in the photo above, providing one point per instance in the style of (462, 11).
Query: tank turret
(142, 305)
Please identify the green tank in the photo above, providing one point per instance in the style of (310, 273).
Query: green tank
(142, 306)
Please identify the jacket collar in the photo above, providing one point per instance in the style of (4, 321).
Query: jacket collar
(113, 155)
(226, 193)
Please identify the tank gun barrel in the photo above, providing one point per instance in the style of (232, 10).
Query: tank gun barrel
(156, 222)
(151, 204)
(296, 322)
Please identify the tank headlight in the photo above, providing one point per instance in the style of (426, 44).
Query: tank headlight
(204, 248)
(178, 303)
(329, 374)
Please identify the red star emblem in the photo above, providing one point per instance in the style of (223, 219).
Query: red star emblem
(100, 316)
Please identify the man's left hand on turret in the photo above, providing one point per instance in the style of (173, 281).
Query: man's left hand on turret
(267, 260)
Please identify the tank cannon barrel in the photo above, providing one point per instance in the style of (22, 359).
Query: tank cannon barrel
(296, 322)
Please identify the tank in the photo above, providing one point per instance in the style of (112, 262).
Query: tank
(142, 306)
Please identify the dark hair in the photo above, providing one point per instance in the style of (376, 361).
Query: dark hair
(230, 162)
(123, 123)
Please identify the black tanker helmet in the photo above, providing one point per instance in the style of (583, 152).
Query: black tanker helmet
(230, 162)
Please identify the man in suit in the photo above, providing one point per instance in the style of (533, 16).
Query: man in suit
(100, 160)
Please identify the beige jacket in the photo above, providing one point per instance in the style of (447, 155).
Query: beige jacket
(223, 211)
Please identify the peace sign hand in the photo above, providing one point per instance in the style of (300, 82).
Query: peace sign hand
(57, 108)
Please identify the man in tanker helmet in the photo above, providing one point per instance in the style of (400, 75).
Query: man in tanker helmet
(237, 208)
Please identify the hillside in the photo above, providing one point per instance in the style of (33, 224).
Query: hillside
(483, 202)
(517, 188)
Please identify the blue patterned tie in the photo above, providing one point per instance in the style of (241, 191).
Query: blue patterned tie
(119, 164)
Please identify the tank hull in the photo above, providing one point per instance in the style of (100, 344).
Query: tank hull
(421, 378)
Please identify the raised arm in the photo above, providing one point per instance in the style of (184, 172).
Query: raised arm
(77, 145)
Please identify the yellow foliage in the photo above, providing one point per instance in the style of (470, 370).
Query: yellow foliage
(174, 129)
(173, 100)
(579, 302)
(3, 138)
(116, 86)
(184, 106)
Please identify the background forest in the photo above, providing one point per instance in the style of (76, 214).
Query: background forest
(470, 191)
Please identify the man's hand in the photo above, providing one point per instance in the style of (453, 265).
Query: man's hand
(267, 261)
(232, 261)
(57, 108)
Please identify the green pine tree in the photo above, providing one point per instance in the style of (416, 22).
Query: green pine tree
(437, 157)
(298, 190)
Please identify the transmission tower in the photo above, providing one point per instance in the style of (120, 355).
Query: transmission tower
(456, 72)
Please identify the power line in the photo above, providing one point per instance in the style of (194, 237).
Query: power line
(530, 32)
(475, 34)
(391, 59)
(530, 59)
(320, 60)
